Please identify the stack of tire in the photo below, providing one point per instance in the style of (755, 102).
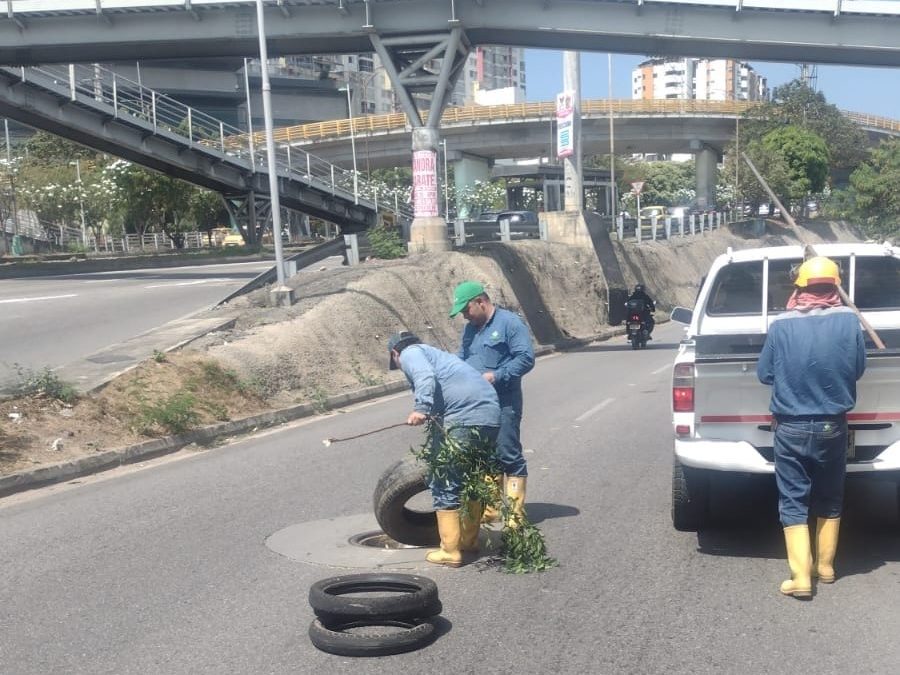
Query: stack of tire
(351, 620)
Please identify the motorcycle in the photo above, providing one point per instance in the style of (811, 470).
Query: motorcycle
(636, 325)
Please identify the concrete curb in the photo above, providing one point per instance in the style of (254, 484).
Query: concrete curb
(21, 270)
(22, 481)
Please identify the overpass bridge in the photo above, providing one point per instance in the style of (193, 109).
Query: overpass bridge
(423, 44)
(478, 135)
(99, 109)
(523, 130)
(860, 32)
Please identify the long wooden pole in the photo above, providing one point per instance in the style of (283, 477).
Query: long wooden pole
(809, 249)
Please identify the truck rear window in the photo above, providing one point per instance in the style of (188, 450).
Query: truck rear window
(738, 287)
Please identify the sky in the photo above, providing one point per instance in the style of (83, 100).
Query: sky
(875, 91)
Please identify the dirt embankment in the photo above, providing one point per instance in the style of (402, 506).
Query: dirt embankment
(333, 340)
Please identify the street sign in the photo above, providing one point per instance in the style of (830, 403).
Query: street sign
(637, 186)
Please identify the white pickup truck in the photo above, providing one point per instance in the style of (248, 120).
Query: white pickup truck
(720, 410)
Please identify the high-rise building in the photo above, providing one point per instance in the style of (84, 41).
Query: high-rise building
(498, 70)
(700, 79)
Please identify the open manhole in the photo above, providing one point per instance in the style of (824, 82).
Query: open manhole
(377, 539)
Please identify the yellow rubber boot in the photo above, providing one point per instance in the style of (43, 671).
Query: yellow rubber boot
(491, 514)
(448, 528)
(826, 546)
(515, 496)
(799, 555)
(469, 526)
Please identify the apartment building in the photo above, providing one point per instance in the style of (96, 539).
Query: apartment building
(699, 79)
(499, 70)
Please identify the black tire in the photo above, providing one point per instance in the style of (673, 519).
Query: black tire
(398, 484)
(635, 342)
(336, 640)
(410, 597)
(690, 498)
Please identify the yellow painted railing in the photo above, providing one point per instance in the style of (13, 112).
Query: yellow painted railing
(523, 111)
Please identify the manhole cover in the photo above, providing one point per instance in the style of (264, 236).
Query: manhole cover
(377, 539)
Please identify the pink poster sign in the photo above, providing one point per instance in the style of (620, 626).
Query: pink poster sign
(425, 190)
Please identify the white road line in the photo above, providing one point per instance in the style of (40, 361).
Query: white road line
(43, 297)
(597, 408)
(187, 283)
(661, 370)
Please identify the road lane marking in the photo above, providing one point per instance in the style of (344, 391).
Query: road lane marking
(597, 408)
(187, 283)
(42, 297)
(660, 370)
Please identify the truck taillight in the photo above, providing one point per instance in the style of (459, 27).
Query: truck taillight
(683, 387)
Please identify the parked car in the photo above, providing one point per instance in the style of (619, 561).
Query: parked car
(648, 212)
(522, 224)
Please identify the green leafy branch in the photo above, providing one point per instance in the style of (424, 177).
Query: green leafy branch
(522, 545)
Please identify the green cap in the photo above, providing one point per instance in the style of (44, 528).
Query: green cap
(463, 294)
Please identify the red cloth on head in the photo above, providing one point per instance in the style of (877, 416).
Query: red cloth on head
(812, 297)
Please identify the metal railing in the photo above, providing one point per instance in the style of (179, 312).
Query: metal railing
(127, 99)
(537, 111)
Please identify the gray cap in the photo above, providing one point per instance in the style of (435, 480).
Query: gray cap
(398, 341)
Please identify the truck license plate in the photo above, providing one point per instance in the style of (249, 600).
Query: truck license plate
(851, 444)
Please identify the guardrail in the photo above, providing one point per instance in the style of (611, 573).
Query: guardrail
(368, 124)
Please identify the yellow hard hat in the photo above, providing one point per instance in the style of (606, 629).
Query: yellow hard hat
(818, 270)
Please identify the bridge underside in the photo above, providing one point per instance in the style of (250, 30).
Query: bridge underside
(823, 35)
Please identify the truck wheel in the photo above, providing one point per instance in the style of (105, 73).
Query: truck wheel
(398, 484)
(690, 498)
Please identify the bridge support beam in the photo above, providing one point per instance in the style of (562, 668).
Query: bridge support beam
(408, 62)
(706, 160)
(467, 171)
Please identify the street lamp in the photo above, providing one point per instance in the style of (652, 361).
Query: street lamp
(352, 143)
(282, 294)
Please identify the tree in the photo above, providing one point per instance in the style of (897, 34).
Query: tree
(806, 156)
(796, 104)
(772, 165)
(875, 195)
(153, 201)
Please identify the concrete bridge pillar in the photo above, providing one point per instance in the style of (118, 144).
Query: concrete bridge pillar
(428, 231)
(706, 160)
(467, 171)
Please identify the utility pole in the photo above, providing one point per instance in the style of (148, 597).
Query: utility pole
(612, 141)
(281, 294)
(574, 194)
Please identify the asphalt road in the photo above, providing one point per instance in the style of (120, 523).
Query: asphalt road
(165, 569)
(50, 321)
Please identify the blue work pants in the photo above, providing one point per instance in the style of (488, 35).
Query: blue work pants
(810, 465)
(509, 445)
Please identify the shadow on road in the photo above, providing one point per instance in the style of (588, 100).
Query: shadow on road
(747, 525)
(538, 512)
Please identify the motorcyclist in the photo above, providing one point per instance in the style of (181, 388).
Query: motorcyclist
(647, 304)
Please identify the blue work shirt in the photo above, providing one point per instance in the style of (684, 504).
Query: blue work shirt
(813, 360)
(446, 387)
(502, 346)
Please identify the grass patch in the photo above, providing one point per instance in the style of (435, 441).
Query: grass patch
(175, 414)
(43, 383)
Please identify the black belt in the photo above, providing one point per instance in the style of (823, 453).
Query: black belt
(841, 417)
